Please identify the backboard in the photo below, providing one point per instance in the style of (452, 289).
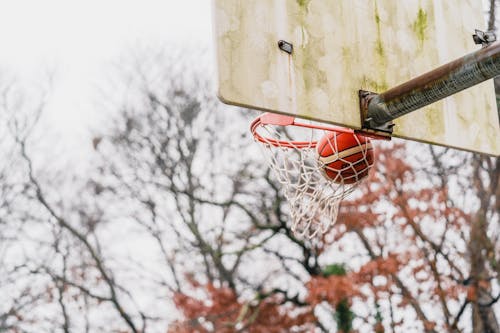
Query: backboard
(343, 46)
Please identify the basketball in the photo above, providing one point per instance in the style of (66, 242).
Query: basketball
(345, 157)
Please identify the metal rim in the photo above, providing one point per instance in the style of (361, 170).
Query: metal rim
(281, 120)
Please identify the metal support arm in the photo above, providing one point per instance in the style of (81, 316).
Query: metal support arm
(379, 110)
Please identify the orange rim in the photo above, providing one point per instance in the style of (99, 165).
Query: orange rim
(281, 120)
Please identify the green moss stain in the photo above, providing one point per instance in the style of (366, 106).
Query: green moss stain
(420, 26)
(379, 47)
(313, 76)
(303, 3)
(307, 56)
(232, 38)
(377, 17)
(492, 138)
(434, 120)
(380, 56)
(347, 58)
(374, 86)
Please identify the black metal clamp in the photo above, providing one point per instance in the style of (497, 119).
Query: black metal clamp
(368, 123)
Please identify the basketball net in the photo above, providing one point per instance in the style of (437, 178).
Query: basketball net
(313, 196)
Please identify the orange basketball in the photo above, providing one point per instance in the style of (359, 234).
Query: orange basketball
(345, 157)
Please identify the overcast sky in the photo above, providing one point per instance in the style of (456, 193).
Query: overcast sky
(78, 40)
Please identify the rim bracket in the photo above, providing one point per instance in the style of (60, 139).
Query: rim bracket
(369, 128)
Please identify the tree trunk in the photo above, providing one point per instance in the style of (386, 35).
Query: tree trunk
(483, 316)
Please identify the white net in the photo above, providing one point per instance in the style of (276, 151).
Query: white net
(316, 172)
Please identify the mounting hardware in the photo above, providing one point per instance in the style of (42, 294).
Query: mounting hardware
(368, 125)
(484, 38)
(285, 46)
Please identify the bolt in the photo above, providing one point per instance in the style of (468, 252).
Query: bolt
(285, 46)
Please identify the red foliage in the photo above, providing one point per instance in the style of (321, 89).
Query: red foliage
(332, 289)
(225, 304)
(379, 328)
(378, 267)
(222, 312)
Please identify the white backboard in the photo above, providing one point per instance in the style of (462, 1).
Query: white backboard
(342, 46)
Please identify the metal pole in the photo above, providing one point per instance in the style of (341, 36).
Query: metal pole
(380, 109)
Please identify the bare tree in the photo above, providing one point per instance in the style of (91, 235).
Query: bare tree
(215, 218)
(50, 245)
(198, 187)
(181, 226)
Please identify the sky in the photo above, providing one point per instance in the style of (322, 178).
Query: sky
(77, 42)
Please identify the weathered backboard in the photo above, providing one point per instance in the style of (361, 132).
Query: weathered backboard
(342, 46)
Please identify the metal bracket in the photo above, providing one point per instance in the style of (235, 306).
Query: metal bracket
(368, 126)
(285, 46)
(484, 38)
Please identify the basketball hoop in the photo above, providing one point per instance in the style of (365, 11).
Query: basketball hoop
(317, 164)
